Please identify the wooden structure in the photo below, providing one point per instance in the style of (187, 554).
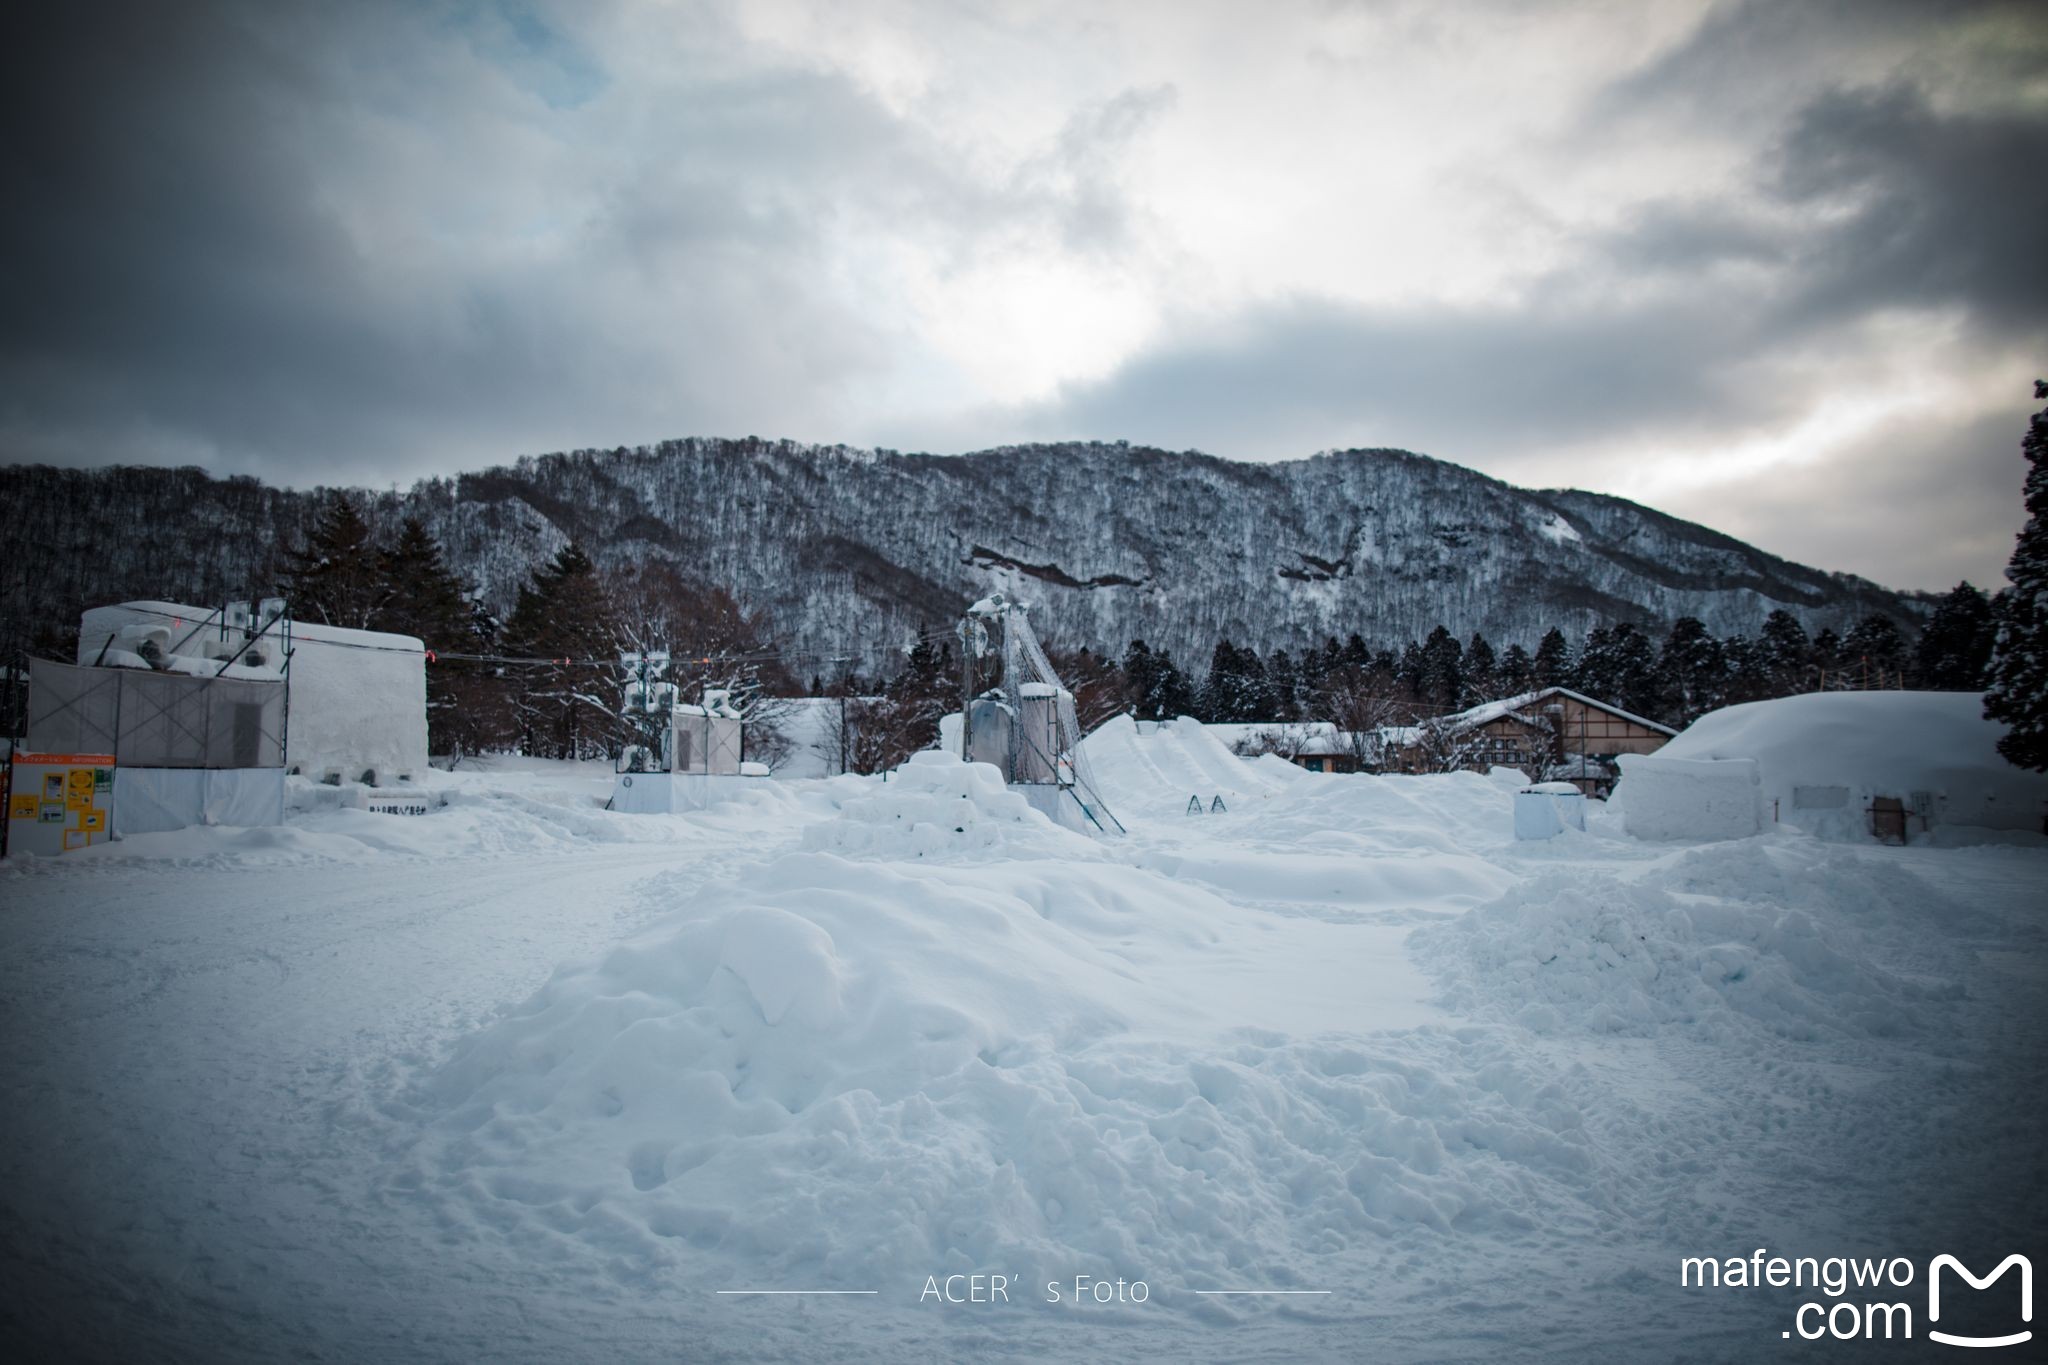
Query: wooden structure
(1555, 734)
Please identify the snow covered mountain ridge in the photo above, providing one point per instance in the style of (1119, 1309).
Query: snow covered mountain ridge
(852, 551)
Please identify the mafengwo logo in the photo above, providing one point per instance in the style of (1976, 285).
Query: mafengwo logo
(1878, 1314)
(1945, 1261)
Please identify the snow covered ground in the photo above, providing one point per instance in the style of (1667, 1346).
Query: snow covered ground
(525, 1079)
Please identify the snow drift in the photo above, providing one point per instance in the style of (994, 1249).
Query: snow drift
(978, 1042)
(1578, 951)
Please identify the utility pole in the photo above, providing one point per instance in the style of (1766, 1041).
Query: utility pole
(967, 629)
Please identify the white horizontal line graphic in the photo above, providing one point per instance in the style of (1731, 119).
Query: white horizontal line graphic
(799, 1291)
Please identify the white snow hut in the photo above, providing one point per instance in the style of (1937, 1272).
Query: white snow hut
(356, 699)
(1841, 765)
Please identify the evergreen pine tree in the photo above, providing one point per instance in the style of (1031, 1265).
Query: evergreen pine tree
(1747, 677)
(1407, 671)
(1874, 653)
(1593, 671)
(1785, 654)
(1554, 661)
(1692, 671)
(565, 616)
(1173, 693)
(2018, 675)
(1481, 670)
(1219, 685)
(1440, 681)
(419, 595)
(1283, 687)
(1141, 680)
(1827, 661)
(334, 577)
(1235, 690)
(1956, 646)
(1635, 686)
(1517, 671)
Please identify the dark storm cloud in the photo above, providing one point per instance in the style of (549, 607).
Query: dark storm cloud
(365, 241)
(1743, 60)
(245, 229)
(1947, 209)
(373, 240)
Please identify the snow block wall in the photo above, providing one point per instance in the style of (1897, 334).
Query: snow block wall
(1676, 798)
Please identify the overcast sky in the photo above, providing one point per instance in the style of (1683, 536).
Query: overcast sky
(1777, 267)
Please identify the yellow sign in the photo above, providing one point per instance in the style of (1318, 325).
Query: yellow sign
(79, 780)
(22, 806)
(92, 821)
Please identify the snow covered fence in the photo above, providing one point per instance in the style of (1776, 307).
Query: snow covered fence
(1680, 798)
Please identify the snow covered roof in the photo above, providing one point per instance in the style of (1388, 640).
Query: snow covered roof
(1487, 712)
(188, 622)
(1874, 741)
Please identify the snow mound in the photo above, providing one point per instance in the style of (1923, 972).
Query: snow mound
(1822, 757)
(1576, 951)
(936, 806)
(1153, 770)
(858, 1074)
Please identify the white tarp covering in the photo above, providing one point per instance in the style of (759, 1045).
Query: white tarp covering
(151, 800)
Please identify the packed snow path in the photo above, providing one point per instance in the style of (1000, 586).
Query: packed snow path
(522, 1080)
